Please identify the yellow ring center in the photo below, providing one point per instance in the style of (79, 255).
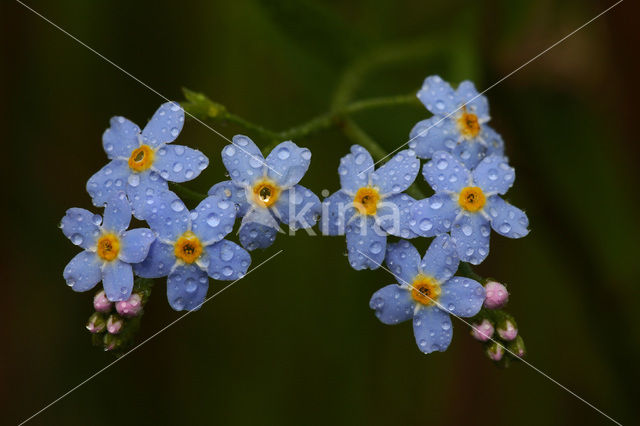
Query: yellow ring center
(472, 199)
(468, 124)
(141, 158)
(188, 248)
(366, 200)
(108, 247)
(265, 192)
(425, 290)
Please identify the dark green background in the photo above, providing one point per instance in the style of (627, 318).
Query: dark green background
(295, 342)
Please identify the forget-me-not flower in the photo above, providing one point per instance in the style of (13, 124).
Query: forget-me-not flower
(142, 162)
(191, 245)
(459, 123)
(468, 204)
(371, 204)
(266, 191)
(109, 249)
(427, 291)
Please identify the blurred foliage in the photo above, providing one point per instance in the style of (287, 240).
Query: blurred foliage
(296, 342)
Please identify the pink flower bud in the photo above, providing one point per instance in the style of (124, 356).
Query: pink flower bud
(95, 323)
(110, 342)
(507, 331)
(114, 324)
(130, 307)
(482, 331)
(497, 295)
(101, 303)
(517, 347)
(495, 352)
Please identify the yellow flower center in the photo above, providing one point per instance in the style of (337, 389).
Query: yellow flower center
(141, 159)
(266, 192)
(468, 124)
(188, 248)
(366, 200)
(108, 247)
(425, 290)
(472, 199)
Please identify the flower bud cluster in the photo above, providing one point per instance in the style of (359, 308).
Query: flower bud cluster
(495, 328)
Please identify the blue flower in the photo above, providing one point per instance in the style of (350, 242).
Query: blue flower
(370, 204)
(265, 191)
(458, 124)
(109, 249)
(427, 291)
(468, 204)
(191, 245)
(142, 162)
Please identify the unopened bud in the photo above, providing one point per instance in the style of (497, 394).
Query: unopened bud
(96, 323)
(497, 295)
(110, 342)
(482, 331)
(101, 303)
(130, 307)
(517, 347)
(495, 352)
(507, 330)
(114, 324)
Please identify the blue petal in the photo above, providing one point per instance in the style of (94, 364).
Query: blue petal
(397, 174)
(366, 243)
(159, 261)
(117, 280)
(432, 135)
(394, 215)
(298, 207)
(187, 288)
(337, 210)
(164, 126)
(355, 169)
(432, 329)
(287, 163)
(213, 219)
(437, 95)
(445, 173)
(434, 215)
(258, 229)
(477, 104)
(506, 219)
(107, 181)
(441, 260)
(494, 175)
(146, 190)
(83, 272)
(469, 152)
(121, 138)
(227, 261)
(177, 163)
(117, 214)
(81, 227)
(462, 296)
(493, 141)
(243, 160)
(392, 304)
(169, 217)
(403, 260)
(135, 244)
(471, 235)
(229, 191)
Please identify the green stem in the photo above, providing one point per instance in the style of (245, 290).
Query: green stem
(467, 271)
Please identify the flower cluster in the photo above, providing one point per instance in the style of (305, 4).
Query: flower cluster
(187, 247)
(466, 169)
(468, 174)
